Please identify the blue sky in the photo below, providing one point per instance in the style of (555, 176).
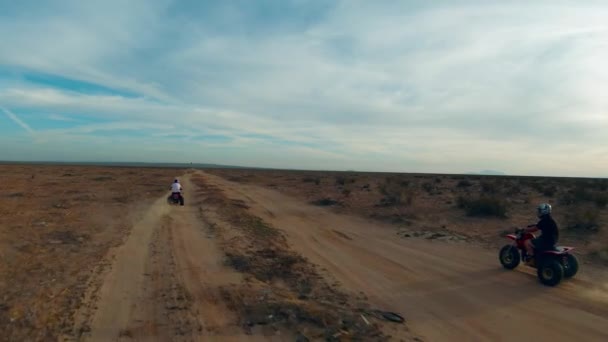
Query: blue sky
(414, 86)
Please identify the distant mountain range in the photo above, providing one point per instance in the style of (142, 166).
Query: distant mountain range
(488, 173)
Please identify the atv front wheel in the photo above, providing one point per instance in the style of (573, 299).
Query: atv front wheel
(509, 257)
(550, 272)
(570, 266)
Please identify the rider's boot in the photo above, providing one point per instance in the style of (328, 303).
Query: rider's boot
(529, 260)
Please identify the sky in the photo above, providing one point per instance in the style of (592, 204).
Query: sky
(406, 86)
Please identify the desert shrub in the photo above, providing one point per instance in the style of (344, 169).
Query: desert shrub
(483, 206)
(489, 187)
(514, 190)
(575, 195)
(398, 181)
(103, 178)
(601, 200)
(536, 185)
(257, 228)
(407, 197)
(438, 180)
(396, 194)
(315, 180)
(324, 202)
(340, 180)
(566, 199)
(346, 192)
(549, 190)
(464, 184)
(343, 180)
(581, 194)
(583, 219)
(238, 262)
(428, 187)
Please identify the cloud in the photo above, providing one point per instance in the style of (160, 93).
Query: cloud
(408, 86)
(16, 119)
(58, 117)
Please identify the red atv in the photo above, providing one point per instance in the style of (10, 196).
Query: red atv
(552, 265)
(175, 198)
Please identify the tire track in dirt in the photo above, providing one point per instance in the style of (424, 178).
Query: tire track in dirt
(446, 291)
(165, 310)
(283, 293)
(121, 288)
(163, 283)
(202, 271)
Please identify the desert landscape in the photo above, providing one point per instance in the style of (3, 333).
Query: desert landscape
(91, 253)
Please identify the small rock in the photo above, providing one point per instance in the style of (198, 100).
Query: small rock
(55, 242)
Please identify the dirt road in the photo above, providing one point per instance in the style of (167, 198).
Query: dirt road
(163, 283)
(447, 292)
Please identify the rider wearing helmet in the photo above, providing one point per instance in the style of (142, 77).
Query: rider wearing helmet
(176, 188)
(547, 226)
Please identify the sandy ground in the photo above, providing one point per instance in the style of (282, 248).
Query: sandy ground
(431, 203)
(57, 222)
(163, 284)
(168, 279)
(446, 291)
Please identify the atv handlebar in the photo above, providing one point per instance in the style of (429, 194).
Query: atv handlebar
(520, 232)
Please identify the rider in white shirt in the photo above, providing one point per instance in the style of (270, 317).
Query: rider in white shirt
(176, 187)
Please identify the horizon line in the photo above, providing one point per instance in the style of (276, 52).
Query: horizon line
(219, 166)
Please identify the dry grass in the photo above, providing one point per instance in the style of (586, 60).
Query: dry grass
(483, 206)
(583, 219)
(284, 289)
(56, 223)
(432, 201)
(396, 193)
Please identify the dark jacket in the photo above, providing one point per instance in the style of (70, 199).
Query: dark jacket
(548, 227)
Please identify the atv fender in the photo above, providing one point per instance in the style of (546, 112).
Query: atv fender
(558, 251)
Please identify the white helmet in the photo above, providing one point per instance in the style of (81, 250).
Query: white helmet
(543, 209)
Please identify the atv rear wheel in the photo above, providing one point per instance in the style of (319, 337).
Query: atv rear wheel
(550, 272)
(509, 257)
(570, 266)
